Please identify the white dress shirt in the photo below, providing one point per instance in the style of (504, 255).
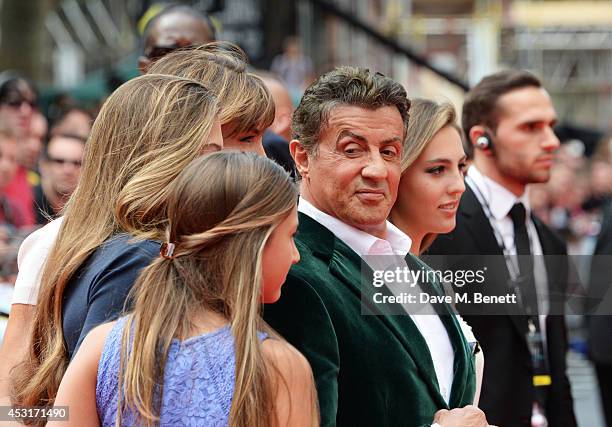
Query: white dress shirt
(397, 244)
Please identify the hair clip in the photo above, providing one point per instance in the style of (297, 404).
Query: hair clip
(167, 250)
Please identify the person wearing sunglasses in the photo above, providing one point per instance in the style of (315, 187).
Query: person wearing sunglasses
(60, 168)
(175, 27)
(18, 100)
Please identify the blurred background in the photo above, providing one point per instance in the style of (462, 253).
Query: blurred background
(77, 51)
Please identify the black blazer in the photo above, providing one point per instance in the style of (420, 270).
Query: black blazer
(599, 326)
(507, 390)
(277, 149)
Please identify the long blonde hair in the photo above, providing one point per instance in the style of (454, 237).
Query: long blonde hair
(147, 131)
(427, 118)
(243, 97)
(221, 211)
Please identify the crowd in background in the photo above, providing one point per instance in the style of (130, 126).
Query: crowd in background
(41, 154)
(40, 176)
(41, 161)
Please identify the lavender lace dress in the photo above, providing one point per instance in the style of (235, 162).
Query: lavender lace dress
(198, 380)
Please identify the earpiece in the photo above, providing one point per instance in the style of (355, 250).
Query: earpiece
(483, 142)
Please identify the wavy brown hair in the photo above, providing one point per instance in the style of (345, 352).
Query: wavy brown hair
(147, 132)
(222, 66)
(344, 86)
(221, 211)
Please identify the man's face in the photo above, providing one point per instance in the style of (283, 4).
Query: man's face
(354, 173)
(173, 31)
(524, 139)
(62, 167)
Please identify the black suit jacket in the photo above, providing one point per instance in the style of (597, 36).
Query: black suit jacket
(600, 325)
(277, 149)
(507, 391)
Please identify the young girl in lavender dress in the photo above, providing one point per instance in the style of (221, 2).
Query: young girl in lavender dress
(194, 350)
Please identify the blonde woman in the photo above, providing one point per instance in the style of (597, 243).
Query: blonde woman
(433, 168)
(146, 133)
(244, 104)
(228, 248)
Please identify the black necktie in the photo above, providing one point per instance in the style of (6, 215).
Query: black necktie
(526, 281)
(529, 300)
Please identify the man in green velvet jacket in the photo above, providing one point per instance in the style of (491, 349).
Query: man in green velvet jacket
(370, 368)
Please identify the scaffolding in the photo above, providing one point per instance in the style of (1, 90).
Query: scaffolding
(576, 65)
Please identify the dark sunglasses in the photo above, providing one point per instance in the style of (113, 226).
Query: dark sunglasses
(61, 162)
(156, 52)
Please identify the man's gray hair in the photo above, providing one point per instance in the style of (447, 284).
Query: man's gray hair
(344, 86)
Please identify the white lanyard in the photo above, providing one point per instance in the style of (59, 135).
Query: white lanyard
(511, 263)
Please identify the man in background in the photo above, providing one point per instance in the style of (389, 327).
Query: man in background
(175, 27)
(508, 118)
(60, 168)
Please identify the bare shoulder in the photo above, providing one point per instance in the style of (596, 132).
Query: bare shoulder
(291, 364)
(295, 400)
(94, 341)
(282, 352)
(78, 387)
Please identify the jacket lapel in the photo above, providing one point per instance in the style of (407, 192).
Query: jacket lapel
(487, 244)
(463, 367)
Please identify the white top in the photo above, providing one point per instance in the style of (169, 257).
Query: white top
(31, 259)
(398, 243)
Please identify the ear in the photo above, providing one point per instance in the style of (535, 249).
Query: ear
(475, 133)
(300, 157)
(143, 64)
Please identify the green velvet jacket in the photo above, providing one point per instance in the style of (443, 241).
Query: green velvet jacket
(370, 370)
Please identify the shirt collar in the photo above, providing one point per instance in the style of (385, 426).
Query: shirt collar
(498, 197)
(397, 242)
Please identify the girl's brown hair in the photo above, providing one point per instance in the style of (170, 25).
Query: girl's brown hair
(245, 101)
(147, 132)
(221, 211)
